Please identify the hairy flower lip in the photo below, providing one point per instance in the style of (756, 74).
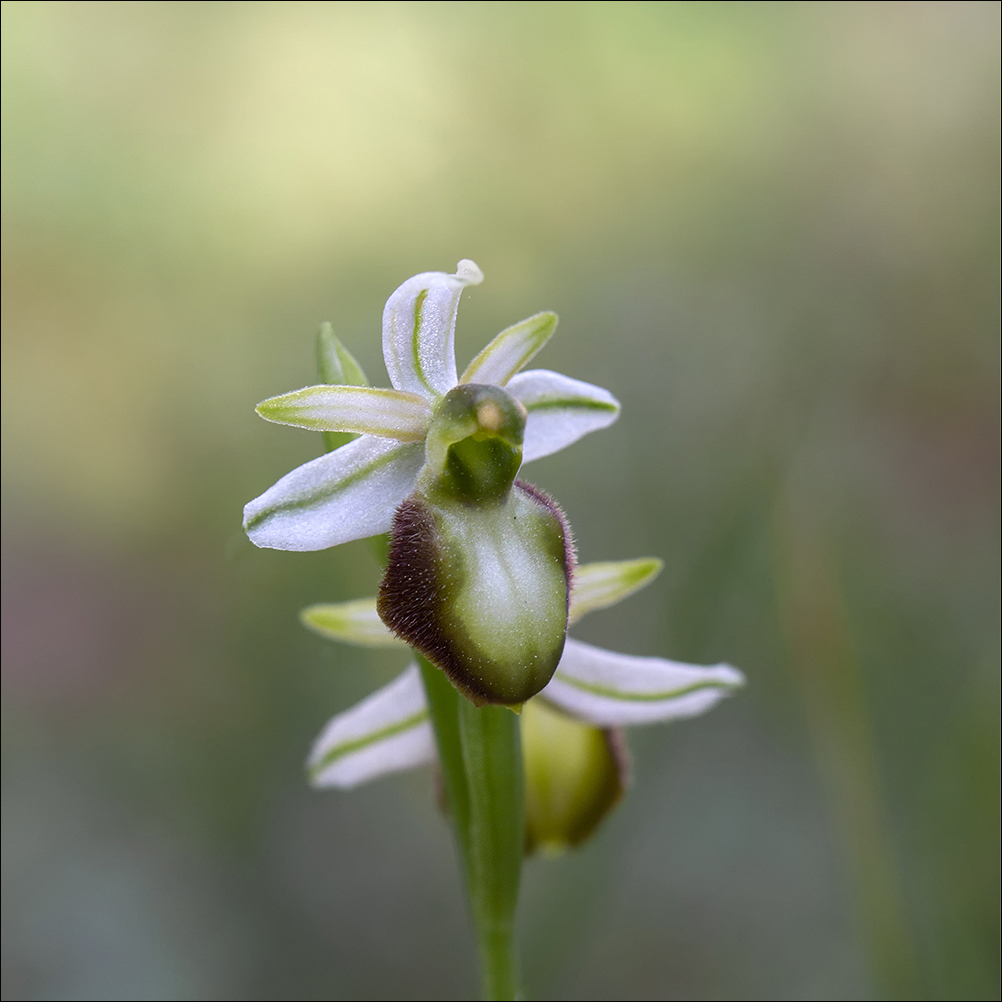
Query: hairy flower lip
(421, 598)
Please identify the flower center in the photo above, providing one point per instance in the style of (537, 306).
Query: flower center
(474, 446)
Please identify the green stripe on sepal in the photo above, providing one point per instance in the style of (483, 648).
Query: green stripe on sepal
(340, 751)
(348, 494)
(560, 410)
(610, 689)
(350, 622)
(386, 732)
(364, 410)
(640, 697)
(512, 349)
(599, 585)
(571, 403)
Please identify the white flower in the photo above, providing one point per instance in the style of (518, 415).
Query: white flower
(390, 730)
(352, 492)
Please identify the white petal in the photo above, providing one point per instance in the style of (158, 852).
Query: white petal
(419, 323)
(612, 690)
(348, 494)
(387, 732)
(362, 409)
(351, 622)
(510, 350)
(597, 586)
(561, 410)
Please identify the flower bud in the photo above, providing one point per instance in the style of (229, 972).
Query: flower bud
(478, 575)
(574, 775)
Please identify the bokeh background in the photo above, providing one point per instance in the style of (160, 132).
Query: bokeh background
(770, 229)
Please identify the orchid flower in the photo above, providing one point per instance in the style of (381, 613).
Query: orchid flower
(480, 563)
(481, 584)
(575, 760)
(352, 493)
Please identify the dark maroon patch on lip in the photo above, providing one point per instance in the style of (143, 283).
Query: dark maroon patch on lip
(414, 594)
(570, 553)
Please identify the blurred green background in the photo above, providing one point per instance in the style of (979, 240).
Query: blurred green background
(770, 229)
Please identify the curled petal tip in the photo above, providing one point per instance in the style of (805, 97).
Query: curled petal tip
(469, 272)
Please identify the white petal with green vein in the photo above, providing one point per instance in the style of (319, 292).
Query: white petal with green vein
(348, 494)
(612, 690)
(361, 409)
(419, 323)
(510, 350)
(599, 585)
(561, 410)
(387, 732)
(351, 622)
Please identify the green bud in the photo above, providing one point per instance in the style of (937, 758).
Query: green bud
(574, 775)
(479, 563)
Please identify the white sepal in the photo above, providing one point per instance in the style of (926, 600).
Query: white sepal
(560, 410)
(364, 410)
(599, 585)
(348, 494)
(387, 732)
(419, 324)
(513, 348)
(612, 690)
(351, 622)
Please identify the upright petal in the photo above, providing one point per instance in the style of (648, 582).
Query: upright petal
(348, 494)
(364, 409)
(560, 410)
(387, 732)
(613, 690)
(513, 348)
(419, 324)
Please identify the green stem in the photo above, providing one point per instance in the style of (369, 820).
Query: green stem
(481, 758)
(443, 705)
(492, 755)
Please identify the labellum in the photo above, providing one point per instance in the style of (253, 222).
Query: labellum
(480, 563)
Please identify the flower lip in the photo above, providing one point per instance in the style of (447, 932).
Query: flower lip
(481, 590)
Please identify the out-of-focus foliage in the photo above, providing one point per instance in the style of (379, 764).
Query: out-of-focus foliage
(769, 229)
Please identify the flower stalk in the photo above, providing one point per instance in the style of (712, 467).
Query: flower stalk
(479, 750)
